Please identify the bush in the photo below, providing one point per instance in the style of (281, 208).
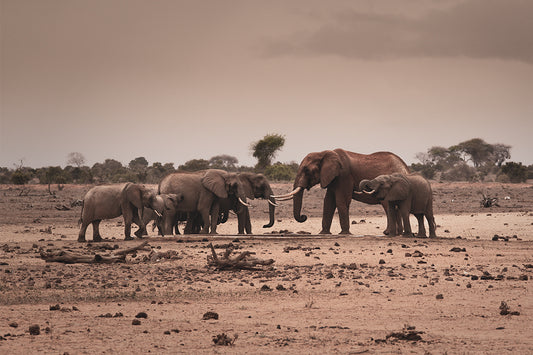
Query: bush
(515, 171)
(280, 172)
(460, 172)
(20, 177)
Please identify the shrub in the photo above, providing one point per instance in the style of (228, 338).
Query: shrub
(515, 171)
(280, 172)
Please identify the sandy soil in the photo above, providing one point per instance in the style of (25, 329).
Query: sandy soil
(365, 293)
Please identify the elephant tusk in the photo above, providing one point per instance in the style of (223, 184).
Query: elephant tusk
(369, 192)
(284, 198)
(357, 192)
(289, 195)
(158, 214)
(244, 203)
(273, 203)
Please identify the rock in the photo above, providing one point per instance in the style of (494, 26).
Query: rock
(210, 315)
(440, 296)
(266, 288)
(136, 322)
(141, 315)
(35, 329)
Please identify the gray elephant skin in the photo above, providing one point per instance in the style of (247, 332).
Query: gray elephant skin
(404, 194)
(111, 201)
(339, 172)
(165, 204)
(255, 186)
(201, 193)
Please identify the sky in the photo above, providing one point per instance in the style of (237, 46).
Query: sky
(173, 80)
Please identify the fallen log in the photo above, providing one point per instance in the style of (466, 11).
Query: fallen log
(67, 257)
(62, 256)
(134, 249)
(243, 261)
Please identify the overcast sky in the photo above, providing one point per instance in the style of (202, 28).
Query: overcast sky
(174, 80)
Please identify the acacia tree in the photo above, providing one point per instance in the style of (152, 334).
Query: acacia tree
(265, 149)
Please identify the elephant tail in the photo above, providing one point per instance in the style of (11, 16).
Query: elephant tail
(80, 221)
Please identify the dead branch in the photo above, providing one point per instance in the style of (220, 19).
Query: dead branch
(134, 249)
(67, 257)
(62, 256)
(242, 261)
(489, 201)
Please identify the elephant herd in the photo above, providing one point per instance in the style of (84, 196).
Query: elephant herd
(204, 198)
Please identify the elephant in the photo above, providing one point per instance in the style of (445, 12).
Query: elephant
(404, 194)
(255, 186)
(111, 201)
(202, 192)
(165, 204)
(339, 172)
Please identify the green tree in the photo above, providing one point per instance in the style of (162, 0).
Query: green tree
(265, 149)
(224, 161)
(139, 167)
(515, 171)
(194, 165)
(281, 172)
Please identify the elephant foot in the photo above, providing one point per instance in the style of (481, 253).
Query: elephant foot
(421, 235)
(386, 232)
(347, 232)
(139, 233)
(408, 235)
(324, 232)
(81, 240)
(97, 239)
(128, 238)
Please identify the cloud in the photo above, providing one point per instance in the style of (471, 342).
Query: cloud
(486, 29)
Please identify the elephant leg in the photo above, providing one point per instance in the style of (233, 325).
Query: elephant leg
(241, 220)
(343, 208)
(128, 218)
(431, 224)
(392, 215)
(83, 230)
(328, 211)
(206, 221)
(96, 231)
(215, 209)
(142, 228)
(404, 212)
(247, 222)
(421, 228)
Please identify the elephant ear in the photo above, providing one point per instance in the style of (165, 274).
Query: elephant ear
(330, 168)
(131, 193)
(214, 181)
(247, 186)
(399, 188)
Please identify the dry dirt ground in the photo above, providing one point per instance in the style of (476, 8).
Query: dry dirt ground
(468, 291)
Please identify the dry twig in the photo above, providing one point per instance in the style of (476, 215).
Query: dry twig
(242, 261)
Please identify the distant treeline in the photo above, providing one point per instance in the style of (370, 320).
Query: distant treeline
(472, 160)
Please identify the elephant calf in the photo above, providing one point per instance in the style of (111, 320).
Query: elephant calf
(111, 201)
(404, 194)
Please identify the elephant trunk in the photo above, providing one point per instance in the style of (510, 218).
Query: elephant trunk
(271, 209)
(297, 206)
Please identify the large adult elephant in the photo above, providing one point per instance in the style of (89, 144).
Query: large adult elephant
(339, 172)
(255, 186)
(201, 193)
(111, 201)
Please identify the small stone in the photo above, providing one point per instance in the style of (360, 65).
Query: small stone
(381, 261)
(35, 329)
(141, 315)
(210, 315)
(136, 322)
(440, 296)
